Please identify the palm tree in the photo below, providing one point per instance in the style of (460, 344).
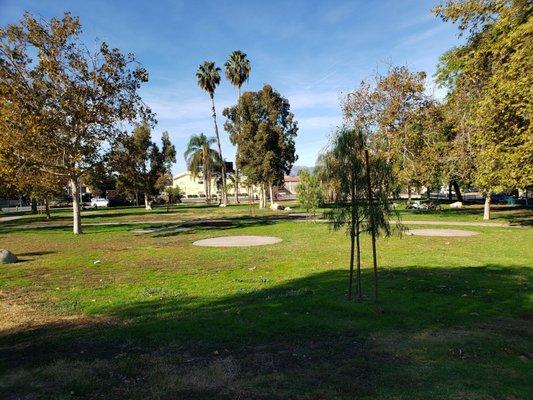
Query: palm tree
(208, 76)
(237, 72)
(237, 69)
(201, 159)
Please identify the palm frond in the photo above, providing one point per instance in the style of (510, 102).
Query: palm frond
(208, 76)
(237, 68)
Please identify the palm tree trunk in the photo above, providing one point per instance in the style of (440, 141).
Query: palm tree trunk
(206, 187)
(236, 168)
(236, 178)
(223, 165)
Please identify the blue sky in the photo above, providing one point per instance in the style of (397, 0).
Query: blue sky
(310, 51)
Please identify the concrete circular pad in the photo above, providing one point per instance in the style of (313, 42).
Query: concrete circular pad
(237, 241)
(440, 232)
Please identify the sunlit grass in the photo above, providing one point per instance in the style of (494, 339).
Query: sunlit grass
(116, 313)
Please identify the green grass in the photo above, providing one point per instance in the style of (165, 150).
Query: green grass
(157, 317)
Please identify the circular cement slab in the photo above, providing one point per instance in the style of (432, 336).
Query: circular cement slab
(440, 232)
(237, 241)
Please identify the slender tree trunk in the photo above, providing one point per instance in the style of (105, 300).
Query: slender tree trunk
(271, 196)
(261, 196)
(206, 187)
(450, 197)
(147, 204)
(358, 256)
(76, 228)
(409, 194)
(486, 208)
(457, 191)
(352, 238)
(223, 165)
(236, 156)
(33, 205)
(47, 208)
(372, 226)
(352, 248)
(236, 179)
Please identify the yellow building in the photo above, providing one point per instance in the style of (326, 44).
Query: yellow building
(192, 186)
(195, 187)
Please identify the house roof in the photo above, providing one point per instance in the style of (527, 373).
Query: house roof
(181, 174)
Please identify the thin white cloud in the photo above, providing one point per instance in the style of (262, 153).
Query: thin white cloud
(324, 123)
(423, 35)
(308, 99)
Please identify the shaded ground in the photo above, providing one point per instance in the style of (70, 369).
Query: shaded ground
(440, 232)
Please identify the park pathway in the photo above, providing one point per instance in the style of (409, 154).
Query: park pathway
(295, 216)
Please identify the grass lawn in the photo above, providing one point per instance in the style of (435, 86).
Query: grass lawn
(118, 314)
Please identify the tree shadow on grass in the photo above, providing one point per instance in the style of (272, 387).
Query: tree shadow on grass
(301, 339)
(515, 215)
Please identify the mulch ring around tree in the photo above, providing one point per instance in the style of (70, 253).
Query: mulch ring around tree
(237, 241)
(440, 232)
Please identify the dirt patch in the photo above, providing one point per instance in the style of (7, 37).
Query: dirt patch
(237, 241)
(440, 232)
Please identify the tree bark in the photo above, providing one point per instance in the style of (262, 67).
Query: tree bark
(352, 248)
(271, 196)
(409, 194)
(47, 208)
(457, 191)
(76, 228)
(206, 187)
(236, 188)
(33, 205)
(223, 165)
(450, 197)
(147, 204)
(358, 255)
(352, 236)
(486, 207)
(372, 226)
(262, 196)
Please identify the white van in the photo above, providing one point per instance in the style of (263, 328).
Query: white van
(99, 202)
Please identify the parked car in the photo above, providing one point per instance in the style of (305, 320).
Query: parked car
(99, 202)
